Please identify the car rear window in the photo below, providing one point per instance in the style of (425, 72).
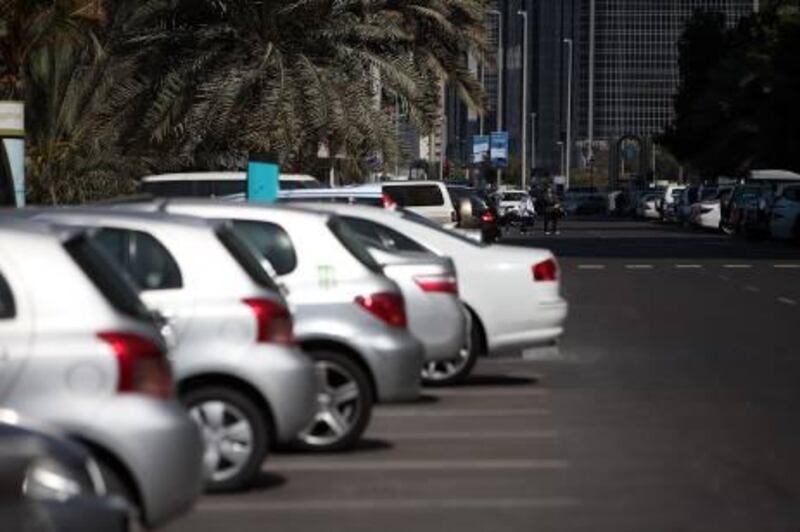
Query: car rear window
(196, 188)
(101, 271)
(245, 256)
(7, 308)
(350, 240)
(415, 195)
(145, 259)
(271, 241)
(382, 236)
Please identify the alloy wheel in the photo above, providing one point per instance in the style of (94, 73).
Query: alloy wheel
(228, 436)
(339, 405)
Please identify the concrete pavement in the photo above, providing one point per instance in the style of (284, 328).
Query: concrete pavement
(672, 407)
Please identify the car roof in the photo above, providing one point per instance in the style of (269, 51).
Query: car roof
(149, 218)
(359, 191)
(216, 176)
(284, 210)
(17, 224)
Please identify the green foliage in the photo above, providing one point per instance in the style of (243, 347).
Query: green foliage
(120, 88)
(736, 108)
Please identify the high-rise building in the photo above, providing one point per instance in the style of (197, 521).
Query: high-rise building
(624, 74)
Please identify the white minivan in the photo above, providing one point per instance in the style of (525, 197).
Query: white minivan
(214, 184)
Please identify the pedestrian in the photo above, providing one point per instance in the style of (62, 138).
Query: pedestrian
(552, 211)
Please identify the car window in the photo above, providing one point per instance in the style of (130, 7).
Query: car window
(350, 240)
(246, 256)
(143, 257)
(228, 187)
(271, 241)
(383, 236)
(169, 189)
(415, 195)
(101, 271)
(7, 308)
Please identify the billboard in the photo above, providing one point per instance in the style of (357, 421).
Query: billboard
(480, 148)
(499, 149)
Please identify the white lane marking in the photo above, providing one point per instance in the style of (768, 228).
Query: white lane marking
(591, 266)
(360, 505)
(786, 266)
(689, 266)
(639, 266)
(483, 392)
(737, 266)
(751, 288)
(471, 412)
(416, 465)
(467, 435)
(787, 301)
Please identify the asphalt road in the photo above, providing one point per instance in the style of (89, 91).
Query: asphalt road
(673, 405)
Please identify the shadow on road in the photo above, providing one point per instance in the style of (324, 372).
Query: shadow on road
(265, 481)
(496, 380)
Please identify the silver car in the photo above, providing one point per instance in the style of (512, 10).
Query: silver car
(79, 350)
(348, 316)
(236, 364)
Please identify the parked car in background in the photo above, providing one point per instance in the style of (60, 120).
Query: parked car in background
(683, 204)
(706, 213)
(215, 184)
(647, 207)
(474, 212)
(509, 201)
(97, 371)
(785, 219)
(237, 368)
(668, 202)
(349, 317)
(512, 294)
(49, 483)
(747, 211)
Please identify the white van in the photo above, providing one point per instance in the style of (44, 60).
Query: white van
(214, 184)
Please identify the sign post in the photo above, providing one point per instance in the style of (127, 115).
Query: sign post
(12, 154)
(263, 179)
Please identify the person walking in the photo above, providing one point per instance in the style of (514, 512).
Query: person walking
(552, 211)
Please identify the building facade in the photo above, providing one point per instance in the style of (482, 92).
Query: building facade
(623, 79)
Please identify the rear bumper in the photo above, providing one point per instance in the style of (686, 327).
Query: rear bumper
(546, 327)
(396, 359)
(162, 449)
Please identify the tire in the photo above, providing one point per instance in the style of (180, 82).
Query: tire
(448, 373)
(236, 434)
(118, 488)
(344, 404)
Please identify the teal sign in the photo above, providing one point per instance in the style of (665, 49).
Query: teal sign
(263, 180)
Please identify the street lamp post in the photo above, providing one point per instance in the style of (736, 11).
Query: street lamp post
(569, 112)
(524, 143)
(561, 156)
(500, 66)
(533, 140)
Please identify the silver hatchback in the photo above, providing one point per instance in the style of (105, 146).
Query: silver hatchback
(79, 350)
(236, 364)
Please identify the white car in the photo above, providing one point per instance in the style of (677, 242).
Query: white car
(215, 184)
(509, 201)
(349, 317)
(785, 220)
(80, 351)
(512, 293)
(426, 198)
(707, 213)
(648, 207)
(237, 367)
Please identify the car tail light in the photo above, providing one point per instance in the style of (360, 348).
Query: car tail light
(143, 365)
(389, 308)
(446, 284)
(546, 271)
(273, 321)
(488, 217)
(388, 202)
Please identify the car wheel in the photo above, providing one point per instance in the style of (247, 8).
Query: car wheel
(449, 372)
(116, 487)
(344, 404)
(235, 432)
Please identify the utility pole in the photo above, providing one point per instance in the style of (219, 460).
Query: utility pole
(533, 140)
(500, 74)
(524, 143)
(592, 38)
(569, 111)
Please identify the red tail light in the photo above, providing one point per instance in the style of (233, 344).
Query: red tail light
(488, 217)
(446, 284)
(389, 308)
(388, 202)
(143, 366)
(273, 321)
(546, 271)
